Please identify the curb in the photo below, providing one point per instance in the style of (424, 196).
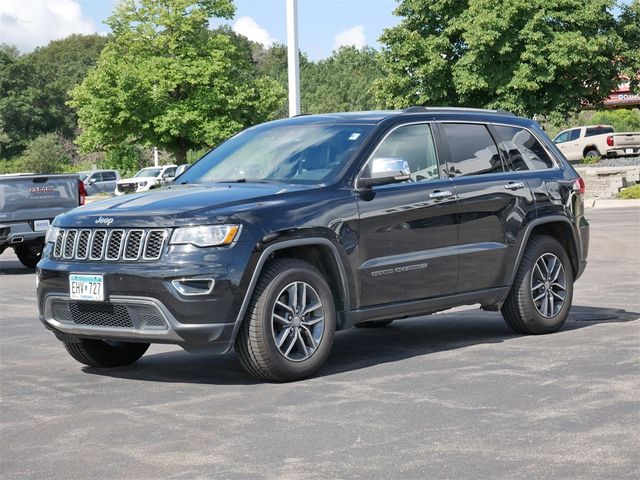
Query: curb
(610, 203)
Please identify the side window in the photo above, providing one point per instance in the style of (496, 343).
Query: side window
(96, 177)
(524, 152)
(169, 172)
(473, 151)
(574, 134)
(592, 131)
(563, 137)
(413, 144)
(108, 176)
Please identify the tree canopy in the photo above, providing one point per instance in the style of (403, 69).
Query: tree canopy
(539, 56)
(34, 88)
(166, 79)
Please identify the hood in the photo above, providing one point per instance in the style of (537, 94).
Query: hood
(177, 205)
(137, 179)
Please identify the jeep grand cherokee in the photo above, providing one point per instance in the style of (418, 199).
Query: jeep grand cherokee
(294, 229)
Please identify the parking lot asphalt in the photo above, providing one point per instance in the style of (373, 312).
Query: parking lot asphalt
(453, 395)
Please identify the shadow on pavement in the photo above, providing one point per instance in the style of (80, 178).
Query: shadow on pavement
(357, 348)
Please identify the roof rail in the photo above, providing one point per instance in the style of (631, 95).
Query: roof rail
(301, 115)
(423, 109)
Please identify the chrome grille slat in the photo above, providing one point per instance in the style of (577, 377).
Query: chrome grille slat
(114, 245)
(119, 244)
(70, 243)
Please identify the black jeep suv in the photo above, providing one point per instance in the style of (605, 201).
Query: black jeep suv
(294, 229)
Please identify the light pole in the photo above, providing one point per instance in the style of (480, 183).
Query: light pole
(293, 60)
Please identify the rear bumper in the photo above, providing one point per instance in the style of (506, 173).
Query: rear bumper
(19, 233)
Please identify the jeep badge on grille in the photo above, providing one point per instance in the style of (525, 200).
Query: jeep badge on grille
(104, 221)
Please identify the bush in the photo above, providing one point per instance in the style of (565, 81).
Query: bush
(623, 120)
(13, 165)
(45, 154)
(630, 193)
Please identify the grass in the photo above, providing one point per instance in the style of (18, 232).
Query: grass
(630, 193)
(590, 160)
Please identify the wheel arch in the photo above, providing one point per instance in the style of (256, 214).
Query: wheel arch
(588, 148)
(321, 253)
(558, 227)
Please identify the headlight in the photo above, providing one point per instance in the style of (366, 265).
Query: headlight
(206, 235)
(142, 184)
(52, 234)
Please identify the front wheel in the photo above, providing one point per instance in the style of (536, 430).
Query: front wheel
(288, 330)
(103, 354)
(540, 298)
(29, 255)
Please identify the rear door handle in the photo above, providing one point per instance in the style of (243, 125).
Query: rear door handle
(443, 194)
(514, 185)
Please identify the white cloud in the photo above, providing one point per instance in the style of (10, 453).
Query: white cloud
(248, 27)
(353, 36)
(33, 23)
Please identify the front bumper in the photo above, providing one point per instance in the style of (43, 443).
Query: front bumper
(139, 291)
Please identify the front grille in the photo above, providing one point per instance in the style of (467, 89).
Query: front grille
(113, 315)
(110, 244)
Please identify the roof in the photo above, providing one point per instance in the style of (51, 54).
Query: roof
(377, 116)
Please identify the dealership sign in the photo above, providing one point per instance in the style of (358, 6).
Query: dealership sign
(623, 98)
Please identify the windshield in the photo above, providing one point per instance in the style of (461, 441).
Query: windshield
(83, 175)
(306, 154)
(148, 172)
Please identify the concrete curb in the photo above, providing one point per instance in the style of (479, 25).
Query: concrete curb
(610, 203)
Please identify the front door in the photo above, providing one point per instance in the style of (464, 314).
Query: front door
(407, 230)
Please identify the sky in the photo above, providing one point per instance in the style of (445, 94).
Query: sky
(323, 25)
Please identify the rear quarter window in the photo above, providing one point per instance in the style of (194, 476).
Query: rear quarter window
(524, 152)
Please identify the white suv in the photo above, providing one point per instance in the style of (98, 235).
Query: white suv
(145, 179)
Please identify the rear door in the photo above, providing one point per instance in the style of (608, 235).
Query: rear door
(108, 183)
(492, 205)
(407, 230)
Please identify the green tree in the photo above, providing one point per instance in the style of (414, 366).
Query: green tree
(34, 88)
(539, 56)
(343, 82)
(45, 154)
(165, 79)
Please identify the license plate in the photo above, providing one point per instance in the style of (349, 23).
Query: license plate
(40, 225)
(628, 150)
(86, 287)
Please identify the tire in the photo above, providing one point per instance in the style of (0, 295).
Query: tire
(591, 154)
(271, 319)
(521, 311)
(29, 255)
(374, 324)
(101, 354)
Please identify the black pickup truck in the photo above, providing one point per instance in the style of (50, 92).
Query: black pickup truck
(294, 229)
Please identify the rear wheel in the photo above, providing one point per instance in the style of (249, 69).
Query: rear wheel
(289, 327)
(592, 154)
(29, 255)
(540, 298)
(102, 354)
(374, 324)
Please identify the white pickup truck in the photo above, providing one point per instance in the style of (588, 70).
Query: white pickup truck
(597, 141)
(28, 204)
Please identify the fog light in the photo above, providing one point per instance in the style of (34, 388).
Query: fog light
(193, 286)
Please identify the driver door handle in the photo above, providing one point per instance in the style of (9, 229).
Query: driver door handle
(442, 194)
(514, 185)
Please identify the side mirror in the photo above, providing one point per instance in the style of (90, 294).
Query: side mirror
(385, 170)
(92, 181)
(182, 168)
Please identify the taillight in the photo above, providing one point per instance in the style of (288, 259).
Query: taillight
(82, 192)
(578, 186)
(610, 140)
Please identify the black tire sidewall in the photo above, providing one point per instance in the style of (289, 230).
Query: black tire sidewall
(26, 255)
(533, 320)
(287, 369)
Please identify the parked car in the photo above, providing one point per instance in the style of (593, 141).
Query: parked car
(28, 204)
(146, 179)
(297, 228)
(596, 141)
(99, 181)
